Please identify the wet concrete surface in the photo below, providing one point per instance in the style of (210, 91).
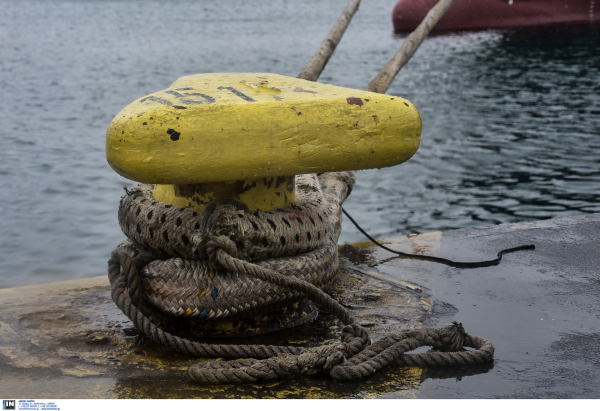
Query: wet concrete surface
(539, 308)
(69, 340)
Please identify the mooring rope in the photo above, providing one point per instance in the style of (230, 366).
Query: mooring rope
(133, 276)
(351, 358)
(174, 260)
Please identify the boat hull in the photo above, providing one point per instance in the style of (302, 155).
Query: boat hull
(496, 14)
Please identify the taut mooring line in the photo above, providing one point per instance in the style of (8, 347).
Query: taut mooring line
(317, 63)
(382, 81)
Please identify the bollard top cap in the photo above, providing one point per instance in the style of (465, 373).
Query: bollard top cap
(243, 126)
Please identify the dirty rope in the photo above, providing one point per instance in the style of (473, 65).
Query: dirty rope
(229, 261)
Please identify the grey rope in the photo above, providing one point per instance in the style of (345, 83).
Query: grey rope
(132, 268)
(125, 261)
(332, 357)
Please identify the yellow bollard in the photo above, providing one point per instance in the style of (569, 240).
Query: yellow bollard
(245, 136)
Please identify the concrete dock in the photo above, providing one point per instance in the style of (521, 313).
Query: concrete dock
(541, 310)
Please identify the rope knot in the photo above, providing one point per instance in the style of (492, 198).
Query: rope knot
(452, 337)
(216, 243)
(218, 223)
(322, 358)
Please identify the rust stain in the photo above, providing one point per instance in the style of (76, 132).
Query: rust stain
(219, 190)
(242, 186)
(288, 180)
(293, 214)
(187, 190)
(268, 182)
(354, 100)
(291, 184)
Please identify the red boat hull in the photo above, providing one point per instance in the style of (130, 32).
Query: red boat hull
(495, 14)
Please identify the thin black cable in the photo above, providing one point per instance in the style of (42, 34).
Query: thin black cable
(451, 263)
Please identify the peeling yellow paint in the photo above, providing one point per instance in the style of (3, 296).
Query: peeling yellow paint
(208, 128)
(261, 195)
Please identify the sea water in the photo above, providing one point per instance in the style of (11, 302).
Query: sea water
(511, 120)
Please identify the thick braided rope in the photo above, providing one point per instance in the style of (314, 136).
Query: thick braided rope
(125, 255)
(189, 287)
(182, 232)
(351, 358)
(218, 256)
(127, 264)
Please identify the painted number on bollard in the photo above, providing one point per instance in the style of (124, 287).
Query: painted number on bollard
(186, 98)
(237, 93)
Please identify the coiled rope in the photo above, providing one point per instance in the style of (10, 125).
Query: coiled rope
(173, 257)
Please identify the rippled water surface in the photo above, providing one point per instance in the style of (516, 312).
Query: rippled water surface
(511, 120)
